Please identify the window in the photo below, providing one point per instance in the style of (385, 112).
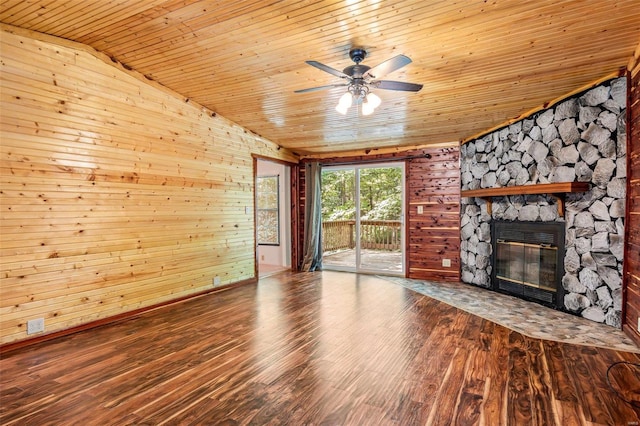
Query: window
(267, 211)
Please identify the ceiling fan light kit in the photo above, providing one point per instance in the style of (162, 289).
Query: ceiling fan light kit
(370, 103)
(344, 103)
(361, 78)
(360, 95)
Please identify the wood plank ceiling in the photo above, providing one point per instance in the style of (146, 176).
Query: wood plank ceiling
(481, 62)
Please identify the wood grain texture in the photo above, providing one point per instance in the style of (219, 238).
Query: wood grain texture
(541, 188)
(631, 296)
(312, 348)
(433, 183)
(481, 63)
(116, 194)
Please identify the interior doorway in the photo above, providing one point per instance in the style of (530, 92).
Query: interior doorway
(363, 218)
(273, 217)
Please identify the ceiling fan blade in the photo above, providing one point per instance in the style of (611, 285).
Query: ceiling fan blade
(396, 85)
(388, 66)
(313, 89)
(328, 69)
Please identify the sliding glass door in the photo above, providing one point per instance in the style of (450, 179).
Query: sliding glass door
(363, 218)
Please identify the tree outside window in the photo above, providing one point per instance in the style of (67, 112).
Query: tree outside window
(268, 215)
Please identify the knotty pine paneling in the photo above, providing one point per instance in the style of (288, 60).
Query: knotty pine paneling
(433, 182)
(632, 244)
(116, 194)
(245, 59)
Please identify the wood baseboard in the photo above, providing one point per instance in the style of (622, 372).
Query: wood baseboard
(9, 347)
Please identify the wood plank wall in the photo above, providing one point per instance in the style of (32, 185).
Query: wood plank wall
(116, 193)
(298, 235)
(632, 246)
(433, 182)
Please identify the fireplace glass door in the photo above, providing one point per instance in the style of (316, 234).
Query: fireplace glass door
(533, 265)
(528, 260)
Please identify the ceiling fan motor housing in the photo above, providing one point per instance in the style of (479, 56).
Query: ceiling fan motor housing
(356, 71)
(357, 54)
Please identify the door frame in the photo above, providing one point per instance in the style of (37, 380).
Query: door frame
(292, 188)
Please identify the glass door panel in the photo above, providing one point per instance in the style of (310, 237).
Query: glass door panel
(381, 213)
(339, 218)
(362, 209)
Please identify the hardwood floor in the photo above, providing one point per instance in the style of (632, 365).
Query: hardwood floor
(313, 348)
(266, 270)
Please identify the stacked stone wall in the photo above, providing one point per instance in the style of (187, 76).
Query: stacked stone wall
(581, 139)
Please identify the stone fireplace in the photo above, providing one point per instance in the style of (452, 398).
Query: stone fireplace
(579, 141)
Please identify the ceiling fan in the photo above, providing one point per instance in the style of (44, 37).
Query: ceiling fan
(360, 79)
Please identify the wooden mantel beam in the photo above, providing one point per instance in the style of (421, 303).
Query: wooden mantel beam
(557, 190)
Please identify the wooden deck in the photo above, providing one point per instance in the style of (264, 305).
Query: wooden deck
(313, 348)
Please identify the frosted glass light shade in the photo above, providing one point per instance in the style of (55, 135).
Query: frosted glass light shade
(367, 109)
(346, 100)
(371, 102)
(342, 109)
(374, 100)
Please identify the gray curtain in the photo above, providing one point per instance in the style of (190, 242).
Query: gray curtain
(312, 245)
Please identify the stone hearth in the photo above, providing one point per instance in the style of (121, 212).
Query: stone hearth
(581, 139)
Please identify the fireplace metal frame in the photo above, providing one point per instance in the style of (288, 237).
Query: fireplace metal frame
(530, 232)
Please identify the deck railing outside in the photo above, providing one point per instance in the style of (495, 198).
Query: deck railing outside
(374, 234)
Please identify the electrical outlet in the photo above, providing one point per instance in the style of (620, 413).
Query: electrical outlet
(446, 263)
(247, 210)
(420, 209)
(35, 326)
(216, 280)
